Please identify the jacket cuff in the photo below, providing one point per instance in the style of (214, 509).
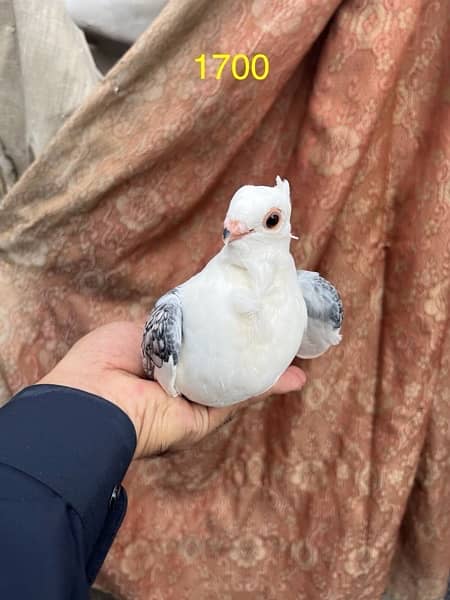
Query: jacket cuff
(74, 442)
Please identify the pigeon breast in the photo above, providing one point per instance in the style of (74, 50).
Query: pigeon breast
(238, 337)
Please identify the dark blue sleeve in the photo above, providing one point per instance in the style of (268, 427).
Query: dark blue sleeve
(63, 455)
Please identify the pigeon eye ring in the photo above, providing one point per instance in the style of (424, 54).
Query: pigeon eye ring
(272, 218)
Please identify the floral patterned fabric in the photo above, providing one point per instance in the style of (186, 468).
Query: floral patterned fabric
(343, 491)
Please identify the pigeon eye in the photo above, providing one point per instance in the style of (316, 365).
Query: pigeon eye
(272, 219)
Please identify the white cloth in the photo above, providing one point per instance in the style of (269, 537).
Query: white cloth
(120, 20)
(46, 71)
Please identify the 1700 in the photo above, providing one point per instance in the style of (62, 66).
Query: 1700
(241, 65)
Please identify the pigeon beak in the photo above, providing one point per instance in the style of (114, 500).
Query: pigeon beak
(234, 230)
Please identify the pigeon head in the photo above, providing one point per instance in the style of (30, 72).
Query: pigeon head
(259, 212)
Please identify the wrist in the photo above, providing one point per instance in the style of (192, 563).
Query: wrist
(112, 394)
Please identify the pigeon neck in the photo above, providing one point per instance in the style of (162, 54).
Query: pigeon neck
(247, 252)
(263, 263)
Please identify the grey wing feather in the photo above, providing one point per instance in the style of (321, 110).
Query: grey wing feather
(161, 342)
(325, 314)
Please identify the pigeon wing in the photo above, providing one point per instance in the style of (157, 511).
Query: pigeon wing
(161, 342)
(325, 314)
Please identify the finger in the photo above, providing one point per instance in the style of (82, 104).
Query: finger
(219, 416)
(119, 343)
(292, 380)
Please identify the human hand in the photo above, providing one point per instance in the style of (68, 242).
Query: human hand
(107, 362)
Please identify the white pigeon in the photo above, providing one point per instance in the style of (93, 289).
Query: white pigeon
(228, 333)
